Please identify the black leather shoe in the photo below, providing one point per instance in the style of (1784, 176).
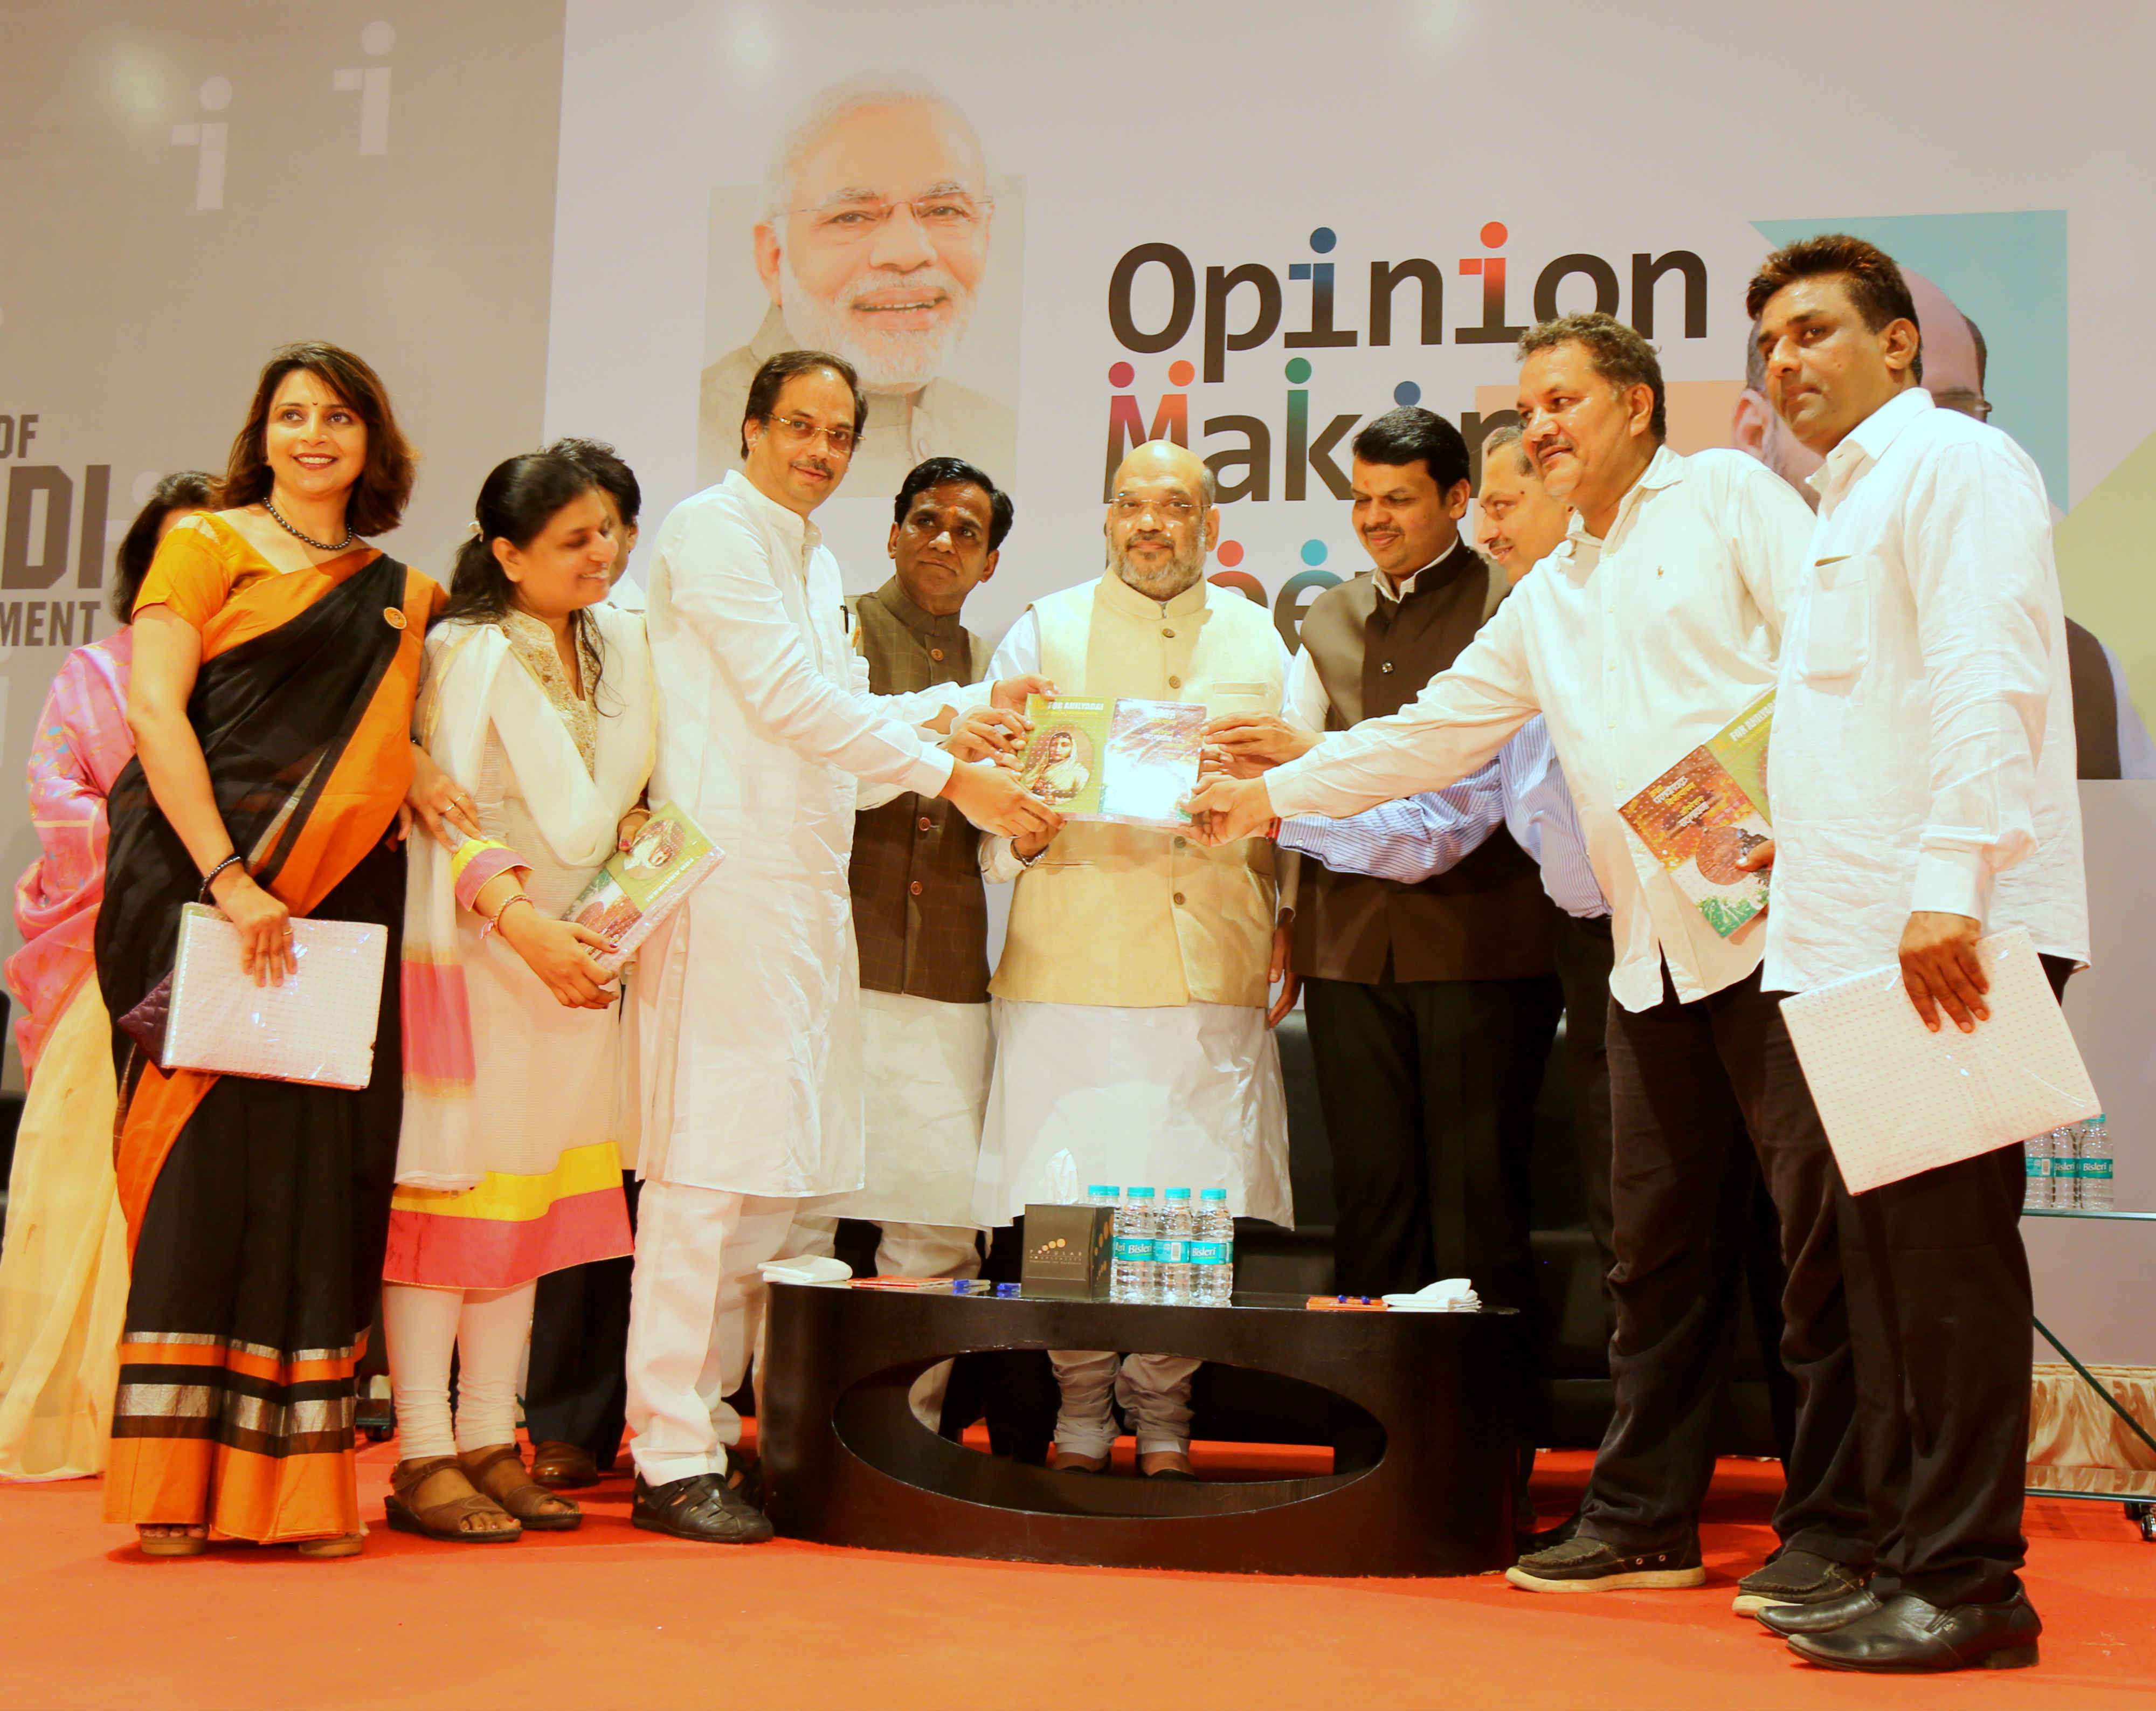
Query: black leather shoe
(1787, 1619)
(700, 1507)
(1908, 1636)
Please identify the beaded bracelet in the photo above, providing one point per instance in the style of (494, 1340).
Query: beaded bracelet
(209, 878)
(494, 920)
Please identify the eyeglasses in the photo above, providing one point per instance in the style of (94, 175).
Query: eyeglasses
(795, 432)
(951, 214)
(1175, 510)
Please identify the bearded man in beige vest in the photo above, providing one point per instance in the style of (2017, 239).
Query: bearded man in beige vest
(1130, 1004)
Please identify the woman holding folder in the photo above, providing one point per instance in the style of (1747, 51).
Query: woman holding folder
(509, 1166)
(276, 661)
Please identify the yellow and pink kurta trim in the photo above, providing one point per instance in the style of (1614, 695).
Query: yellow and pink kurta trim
(510, 1230)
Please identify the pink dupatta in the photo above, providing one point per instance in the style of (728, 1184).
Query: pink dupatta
(83, 743)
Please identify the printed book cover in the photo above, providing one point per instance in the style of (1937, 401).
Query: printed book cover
(639, 887)
(1128, 760)
(1708, 812)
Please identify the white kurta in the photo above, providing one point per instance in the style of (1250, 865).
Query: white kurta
(748, 998)
(926, 1065)
(1185, 1096)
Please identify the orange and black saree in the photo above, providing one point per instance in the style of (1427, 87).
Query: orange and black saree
(257, 1210)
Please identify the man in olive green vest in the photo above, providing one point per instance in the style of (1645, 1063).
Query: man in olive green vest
(1130, 1003)
(1432, 1005)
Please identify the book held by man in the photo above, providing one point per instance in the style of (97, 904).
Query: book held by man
(640, 887)
(1126, 760)
(1707, 813)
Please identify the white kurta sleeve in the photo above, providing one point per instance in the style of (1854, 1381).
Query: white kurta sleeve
(1979, 561)
(1771, 530)
(1461, 720)
(1020, 656)
(724, 593)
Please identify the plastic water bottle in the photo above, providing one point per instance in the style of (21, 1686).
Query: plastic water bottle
(1212, 1250)
(1099, 1196)
(1138, 1275)
(2095, 1179)
(1171, 1249)
(2037, 1165)
(2065, 1169)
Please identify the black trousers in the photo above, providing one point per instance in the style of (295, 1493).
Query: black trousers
(1584, 953)
(1699, 1092)
(1429, 1091)
(576, 1391)
(1940, 1312)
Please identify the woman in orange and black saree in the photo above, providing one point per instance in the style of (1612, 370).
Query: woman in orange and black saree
(276, 661)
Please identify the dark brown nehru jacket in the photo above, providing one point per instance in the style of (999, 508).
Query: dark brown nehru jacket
(919, 911)
(1487, 919)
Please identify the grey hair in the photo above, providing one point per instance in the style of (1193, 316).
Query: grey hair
(1497, 438)
(822, 113)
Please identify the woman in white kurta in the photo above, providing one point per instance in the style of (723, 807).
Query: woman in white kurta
(509, 1165)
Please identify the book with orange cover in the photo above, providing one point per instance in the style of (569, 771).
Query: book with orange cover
(1708, 812)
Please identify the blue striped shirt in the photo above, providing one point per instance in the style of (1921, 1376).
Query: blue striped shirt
(1419, 837)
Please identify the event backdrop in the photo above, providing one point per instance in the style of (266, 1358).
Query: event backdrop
(1247, 226)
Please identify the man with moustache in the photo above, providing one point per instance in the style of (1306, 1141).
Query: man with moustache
(919, 914)
(1924, 795)
(746, 1000)
(1518, 523)
(876, 234)
(1431, 1004)
(2111, 740)
(1130, 1003)
(1656, 623)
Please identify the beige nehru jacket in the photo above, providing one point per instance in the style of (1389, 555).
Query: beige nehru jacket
(1130, 915)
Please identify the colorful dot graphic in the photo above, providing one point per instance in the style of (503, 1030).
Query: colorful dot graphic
(1494, 235)
(1313, 551)
(1298, 369)
(1322, 240)
(1180, 373)
(1230, 553)
(1406, 392)
(1121, 374)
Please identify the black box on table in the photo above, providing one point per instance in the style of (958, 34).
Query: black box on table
(1069, 1251)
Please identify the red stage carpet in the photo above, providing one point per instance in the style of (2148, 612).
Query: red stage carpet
(614, 1620)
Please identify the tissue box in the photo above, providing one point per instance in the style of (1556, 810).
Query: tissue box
(1068, 1251)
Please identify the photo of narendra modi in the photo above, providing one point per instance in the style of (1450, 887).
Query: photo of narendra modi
(879, 234)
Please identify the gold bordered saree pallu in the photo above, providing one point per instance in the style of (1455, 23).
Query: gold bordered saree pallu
(257, 1209)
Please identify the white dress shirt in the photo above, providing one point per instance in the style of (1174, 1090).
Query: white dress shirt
(1636, 650)
(747, 998)
(1923, 746)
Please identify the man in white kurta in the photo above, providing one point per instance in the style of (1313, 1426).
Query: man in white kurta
(748, 998)
(1130, 1002)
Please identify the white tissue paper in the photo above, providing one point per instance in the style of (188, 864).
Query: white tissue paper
(806, 1268)
(1450, 1295)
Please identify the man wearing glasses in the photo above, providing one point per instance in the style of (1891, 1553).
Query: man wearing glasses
(745, 1001)
(873, 242)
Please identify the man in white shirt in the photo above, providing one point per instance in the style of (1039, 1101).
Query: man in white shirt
(746, 999)
(1922, 777)
(1654, 626)
(1132, 1044)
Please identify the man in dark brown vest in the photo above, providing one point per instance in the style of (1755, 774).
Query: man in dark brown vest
(919, 914)
(1431, 1006)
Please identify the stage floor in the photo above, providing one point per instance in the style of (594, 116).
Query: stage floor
(610, 1619)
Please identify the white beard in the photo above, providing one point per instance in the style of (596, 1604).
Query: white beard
(1181, 572)
(886, 362)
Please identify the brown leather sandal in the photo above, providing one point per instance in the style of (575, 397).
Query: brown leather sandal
(440, 1512)
(499, 1471)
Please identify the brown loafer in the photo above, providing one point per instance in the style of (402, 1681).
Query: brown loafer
(561, 1467)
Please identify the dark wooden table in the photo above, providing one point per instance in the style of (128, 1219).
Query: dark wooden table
(847, 1463)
